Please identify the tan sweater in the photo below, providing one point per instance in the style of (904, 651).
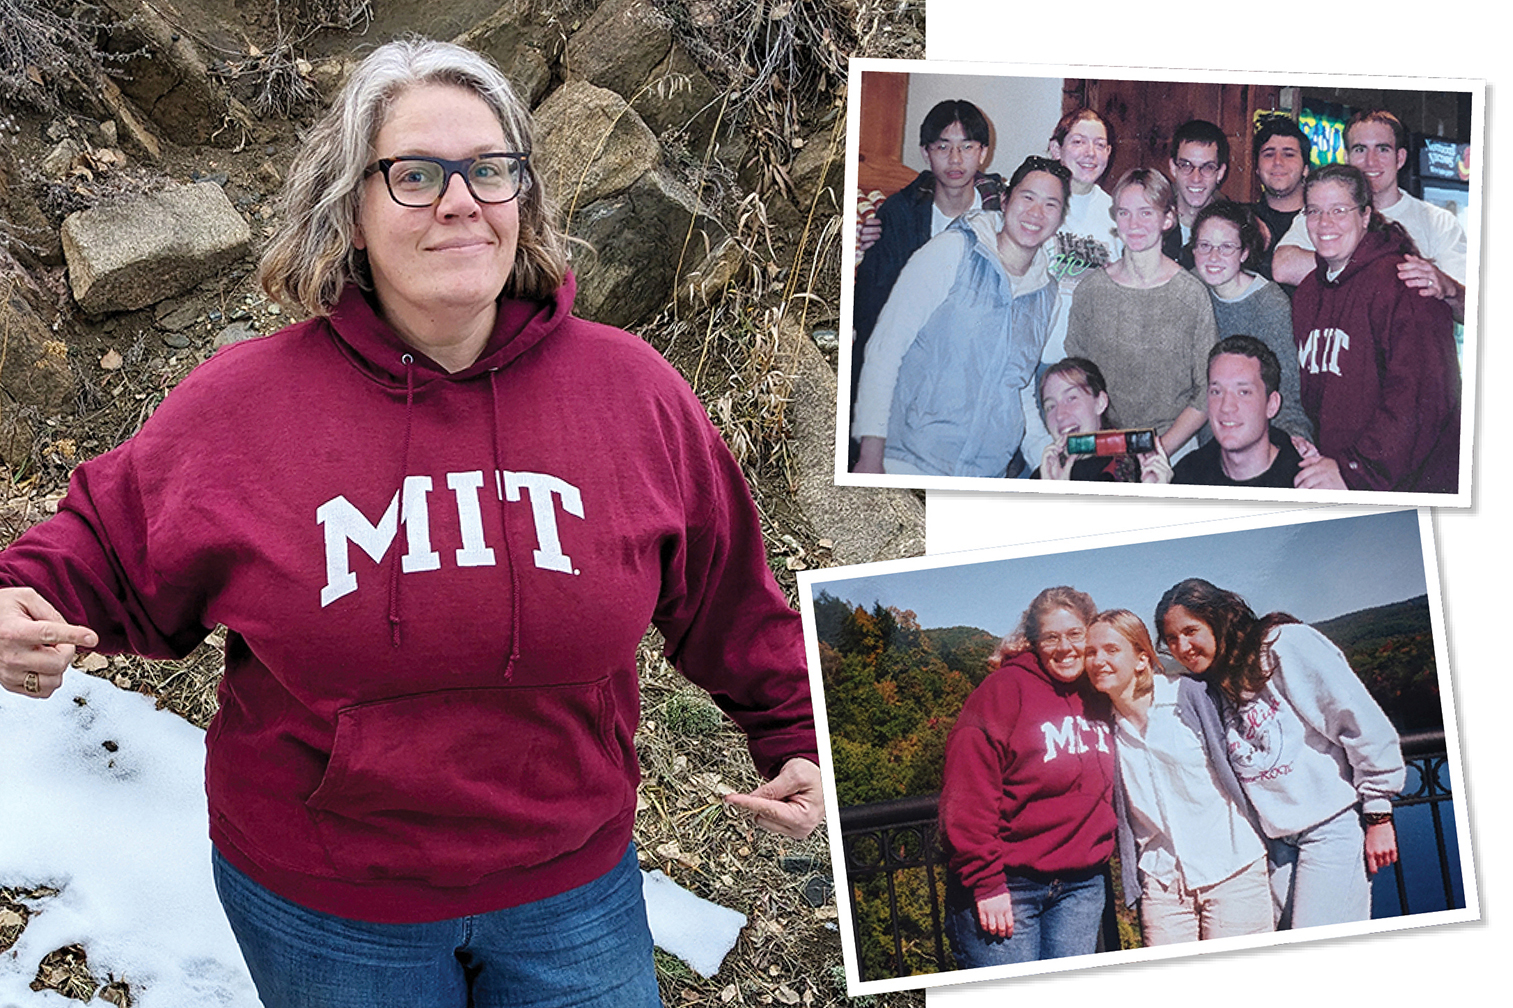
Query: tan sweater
(1151, 345)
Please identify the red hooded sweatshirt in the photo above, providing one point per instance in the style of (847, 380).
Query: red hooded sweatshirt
(1028, 782)
(435, 585)
(1379, 376)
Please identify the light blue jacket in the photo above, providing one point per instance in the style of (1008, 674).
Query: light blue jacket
(956, 405)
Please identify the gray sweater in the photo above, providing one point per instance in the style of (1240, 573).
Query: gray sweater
(1264, 312)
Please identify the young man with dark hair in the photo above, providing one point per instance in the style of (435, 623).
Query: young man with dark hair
(954, 140)
(1282, 153)
(1377, 144)
(1244, 382)
(941, 392)
(1199, 162)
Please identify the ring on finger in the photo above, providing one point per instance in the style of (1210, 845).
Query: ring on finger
(31, 685)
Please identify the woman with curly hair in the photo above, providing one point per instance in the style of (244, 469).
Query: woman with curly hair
(1026, 809)
(1314, 752)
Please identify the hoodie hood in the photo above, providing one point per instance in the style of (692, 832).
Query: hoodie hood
(379, 350)
(986, 224)
(1374, 245)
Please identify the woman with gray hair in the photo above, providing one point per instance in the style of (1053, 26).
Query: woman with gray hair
(422, 777)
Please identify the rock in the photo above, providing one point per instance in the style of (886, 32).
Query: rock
(177, 317)
(863, 523)
(618, 46)
(718, 270)
(817, 174)
(105, 133)
(635, 235)
(139, 137)
(165, 74)
(129, 255)
(590, 144)
(56, 162)
(36, 369)
(235, 333)
(680, 98)
(523, 46)
(16, 437)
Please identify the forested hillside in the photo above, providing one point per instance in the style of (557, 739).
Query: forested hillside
(893, 689)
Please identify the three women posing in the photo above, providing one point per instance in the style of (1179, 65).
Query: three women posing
(1238, 797)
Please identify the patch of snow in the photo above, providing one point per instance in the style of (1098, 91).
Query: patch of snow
(690, 927)
(123, 835)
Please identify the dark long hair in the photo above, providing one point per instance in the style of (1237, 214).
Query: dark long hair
(1239, 634)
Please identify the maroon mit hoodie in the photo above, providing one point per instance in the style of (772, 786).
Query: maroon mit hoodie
(1028, 781)
(1379, 376)
(435, 585)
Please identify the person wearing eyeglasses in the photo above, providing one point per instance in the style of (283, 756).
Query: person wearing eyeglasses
(1379, 376)
(954, 141)
(436, 519)
(1026, 800)
(1227, 247)
(942, 389)
(1377, 144)
(1199, 162)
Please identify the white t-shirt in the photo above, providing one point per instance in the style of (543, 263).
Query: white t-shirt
(940, 220)
(1435, 231)
(1086, 241)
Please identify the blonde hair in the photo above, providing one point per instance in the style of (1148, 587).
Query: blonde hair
(1080, 604)
(1132, 628)
(311, 256)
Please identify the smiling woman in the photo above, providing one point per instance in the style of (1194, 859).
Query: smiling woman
(960, 336)
(1026, 811)
(422, 777)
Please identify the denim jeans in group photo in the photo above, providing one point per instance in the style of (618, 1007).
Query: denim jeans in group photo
(1053, 918)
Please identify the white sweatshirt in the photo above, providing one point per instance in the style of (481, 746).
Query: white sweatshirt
(1312, 742)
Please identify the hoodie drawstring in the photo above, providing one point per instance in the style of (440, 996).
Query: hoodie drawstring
(409, 363)
(504, 527)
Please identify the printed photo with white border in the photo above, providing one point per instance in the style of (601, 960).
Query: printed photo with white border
(1141, 745)
(1202, 284)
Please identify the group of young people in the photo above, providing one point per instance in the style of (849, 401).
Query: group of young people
(1303, 341)
(1251, 793)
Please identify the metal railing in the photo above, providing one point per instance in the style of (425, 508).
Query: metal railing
(894, 863)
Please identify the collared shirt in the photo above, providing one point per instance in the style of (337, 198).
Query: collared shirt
(1187, 829)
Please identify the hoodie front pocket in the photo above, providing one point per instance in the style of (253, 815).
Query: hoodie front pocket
(448, 787)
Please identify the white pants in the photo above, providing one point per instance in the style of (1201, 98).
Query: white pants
(1239, 905)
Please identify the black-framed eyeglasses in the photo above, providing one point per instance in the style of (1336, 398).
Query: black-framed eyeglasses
(496, 177)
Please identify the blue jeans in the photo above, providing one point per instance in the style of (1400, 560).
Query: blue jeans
(589, 946)
(1053, 918)
(1318, 876)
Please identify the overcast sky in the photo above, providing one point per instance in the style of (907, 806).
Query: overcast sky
(1315, 571)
